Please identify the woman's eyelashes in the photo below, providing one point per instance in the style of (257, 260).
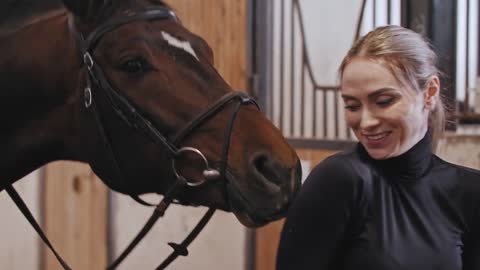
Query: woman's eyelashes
(385, 101)
(382, 102)
(352, 106)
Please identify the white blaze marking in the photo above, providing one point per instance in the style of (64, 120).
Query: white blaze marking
(181, 44)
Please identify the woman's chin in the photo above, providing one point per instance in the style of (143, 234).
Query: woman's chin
(378, 154)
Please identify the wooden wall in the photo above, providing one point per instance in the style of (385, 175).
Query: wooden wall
(75, 207)
(268, 237)
(75, 201)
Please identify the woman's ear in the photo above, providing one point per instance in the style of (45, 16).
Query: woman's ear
(431, 92)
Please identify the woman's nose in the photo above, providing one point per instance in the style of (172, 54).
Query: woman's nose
(368, 120)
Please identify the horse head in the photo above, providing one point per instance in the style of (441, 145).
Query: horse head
(145, 106)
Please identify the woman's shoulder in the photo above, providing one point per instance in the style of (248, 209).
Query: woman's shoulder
(466, 177)
(346, 162)
(339, 179)
(343, 167)
(463, 186)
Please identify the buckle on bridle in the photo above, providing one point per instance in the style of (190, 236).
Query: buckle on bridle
(88, 60)
(87, 93)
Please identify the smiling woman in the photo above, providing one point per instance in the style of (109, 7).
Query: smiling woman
(387, 117)
(390, 203)
(397, 60)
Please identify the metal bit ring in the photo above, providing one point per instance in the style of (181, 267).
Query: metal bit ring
(202, 156)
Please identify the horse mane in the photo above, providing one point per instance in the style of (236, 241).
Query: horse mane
(15, 14)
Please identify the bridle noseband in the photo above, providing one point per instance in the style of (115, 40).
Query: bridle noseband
(98, 83)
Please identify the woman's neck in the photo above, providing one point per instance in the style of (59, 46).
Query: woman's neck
(412, 164)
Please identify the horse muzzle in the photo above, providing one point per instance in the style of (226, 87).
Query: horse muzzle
(272, 188)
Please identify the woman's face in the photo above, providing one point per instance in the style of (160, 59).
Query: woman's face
(387, 117)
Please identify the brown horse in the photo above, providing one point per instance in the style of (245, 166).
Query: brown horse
(146, 90)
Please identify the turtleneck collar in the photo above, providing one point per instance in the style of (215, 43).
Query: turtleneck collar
(410, 165)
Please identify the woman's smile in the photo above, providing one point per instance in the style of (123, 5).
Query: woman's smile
(376, 140)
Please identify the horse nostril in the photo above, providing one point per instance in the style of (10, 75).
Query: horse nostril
(268, 172)
(273, 184)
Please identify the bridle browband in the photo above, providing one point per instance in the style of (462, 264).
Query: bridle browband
(123, 108)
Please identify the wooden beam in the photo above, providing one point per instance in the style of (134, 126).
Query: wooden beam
(75, 207)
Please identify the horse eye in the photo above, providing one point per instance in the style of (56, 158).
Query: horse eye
(135, 65)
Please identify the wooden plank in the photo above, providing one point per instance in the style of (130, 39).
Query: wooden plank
(267, 238)
(75, 205)
(266, 244)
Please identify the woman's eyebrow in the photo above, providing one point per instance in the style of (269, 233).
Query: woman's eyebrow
(373, 94)
(348, 97)
(381, 91)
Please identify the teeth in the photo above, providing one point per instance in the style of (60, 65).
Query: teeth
(377, 137)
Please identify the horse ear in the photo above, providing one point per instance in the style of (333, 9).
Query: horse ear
(83, 9)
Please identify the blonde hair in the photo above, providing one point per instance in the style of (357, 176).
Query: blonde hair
(410, 58)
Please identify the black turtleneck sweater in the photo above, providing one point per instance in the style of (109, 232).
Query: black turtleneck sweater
(411, 212)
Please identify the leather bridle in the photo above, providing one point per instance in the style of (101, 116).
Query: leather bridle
(98, 83)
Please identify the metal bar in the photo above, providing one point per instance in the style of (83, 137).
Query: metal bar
(466, 104)
(336, 113)
(282, 64)
(250, 249)
(314, 108)
(389, 11)
(325, 109)
(292, 69)
(302, 96)
(271, 43)
(304, 42)
(306, 73)
(360, 21)
(253, 62)
(262, 38)
(404, 13)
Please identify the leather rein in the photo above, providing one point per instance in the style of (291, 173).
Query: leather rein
(98, 83)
